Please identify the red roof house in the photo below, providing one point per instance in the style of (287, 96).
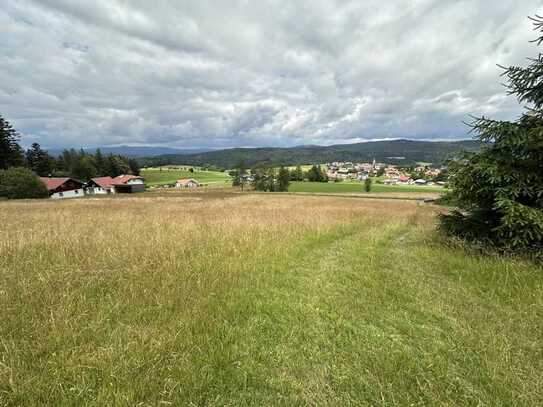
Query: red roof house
(63, 187)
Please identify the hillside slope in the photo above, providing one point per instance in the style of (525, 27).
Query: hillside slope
(392, 151)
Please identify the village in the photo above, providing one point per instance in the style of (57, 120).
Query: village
(387, 174)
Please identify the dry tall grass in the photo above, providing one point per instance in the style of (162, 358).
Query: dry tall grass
(155, 299)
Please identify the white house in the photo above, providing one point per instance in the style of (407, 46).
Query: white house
(100, 185)
(187, 183)
(63, 187)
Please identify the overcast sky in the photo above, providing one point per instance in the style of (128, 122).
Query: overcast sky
(186, 73)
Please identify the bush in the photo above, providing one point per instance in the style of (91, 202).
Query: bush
(21, 183)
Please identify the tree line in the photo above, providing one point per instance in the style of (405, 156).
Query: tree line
(70, 163)
(19, 169)
(271, 179)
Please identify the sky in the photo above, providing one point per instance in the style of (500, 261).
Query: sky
(242, 73)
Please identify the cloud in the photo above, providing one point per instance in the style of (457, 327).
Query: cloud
(240, 73)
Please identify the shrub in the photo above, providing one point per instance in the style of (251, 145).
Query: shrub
(21, 183)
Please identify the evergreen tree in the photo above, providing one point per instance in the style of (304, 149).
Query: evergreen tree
(283, 180)
(499, 191)
(83, 169)
(270, 181)
(100, 163)
(297, 174)
(11, 154)
(134, 166)
(259, 179)
(39, 160)
(367, 184)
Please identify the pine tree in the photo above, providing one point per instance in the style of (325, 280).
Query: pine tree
(100, 163)
(367, 184)
(499, 191)
(11, 154)
(283, 180)
(39, 160)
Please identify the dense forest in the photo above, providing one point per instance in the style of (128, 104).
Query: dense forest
(403, 152)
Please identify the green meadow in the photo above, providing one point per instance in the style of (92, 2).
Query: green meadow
(224, 298)
(166, 175)
(350, 187)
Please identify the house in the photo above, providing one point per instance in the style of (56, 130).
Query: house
(187, 183)
(101, 185)
(128, 184)
(63, 187)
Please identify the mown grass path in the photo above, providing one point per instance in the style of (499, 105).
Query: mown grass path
(350, 318)
(259, 300)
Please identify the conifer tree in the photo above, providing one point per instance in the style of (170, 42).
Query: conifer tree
(11, 154)
(499, 190)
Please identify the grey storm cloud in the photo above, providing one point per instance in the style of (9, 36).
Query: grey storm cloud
(245, 73)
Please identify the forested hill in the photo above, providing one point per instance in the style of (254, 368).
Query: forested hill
(393, 151)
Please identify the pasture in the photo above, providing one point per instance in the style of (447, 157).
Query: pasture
(353, 187)
(258, 299)
(157, 176)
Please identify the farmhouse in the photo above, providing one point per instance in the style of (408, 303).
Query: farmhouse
(63, 187)
(101, 185)
(120, 184)
(187, 183)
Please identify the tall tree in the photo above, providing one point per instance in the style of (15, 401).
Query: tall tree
(100, 163)
(499, 191)
(283, 180)
(39, 160)
(134, 166)
(11, 154)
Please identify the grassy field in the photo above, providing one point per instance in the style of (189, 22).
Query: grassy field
(155, 176)
(258, 299)
(348, 187)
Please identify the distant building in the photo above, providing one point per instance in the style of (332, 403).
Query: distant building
(63, 187)
(187, 183)
(101, 185)
(128, 184)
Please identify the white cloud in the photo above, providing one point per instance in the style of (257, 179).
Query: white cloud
(238, 73)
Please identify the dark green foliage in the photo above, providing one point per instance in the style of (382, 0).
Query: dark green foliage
(269, 180)
(367, 184)
(39, 161)
(383, 151)
(499, 191)
(83, 168)
(100, 162)
(283, 180)
(134, 166)
(21, 183)
(316, 174)
(11, 154)
(239, 176)
(297, 174)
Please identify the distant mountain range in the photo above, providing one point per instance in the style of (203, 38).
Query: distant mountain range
(135, 152)
(403, 152)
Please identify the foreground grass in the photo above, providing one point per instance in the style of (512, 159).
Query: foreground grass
(167, 176)
(350, 187)
(258, 300)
